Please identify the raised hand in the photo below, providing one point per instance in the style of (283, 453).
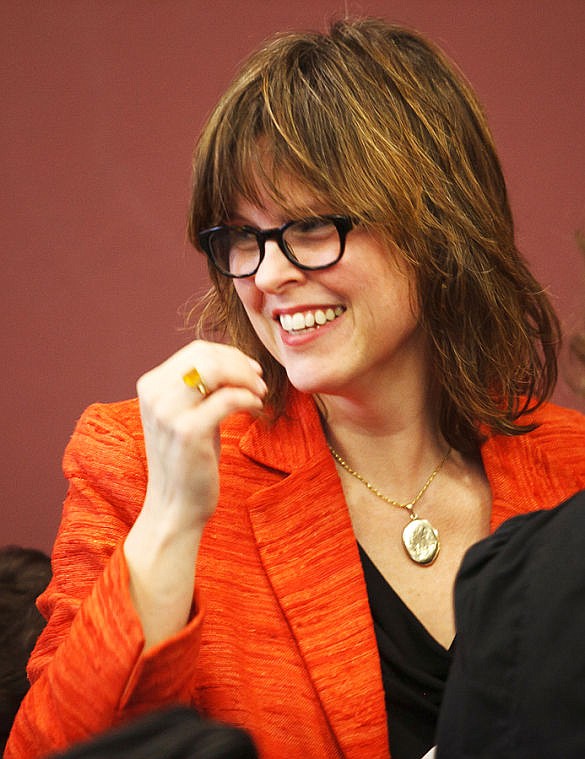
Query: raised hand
(181, 431)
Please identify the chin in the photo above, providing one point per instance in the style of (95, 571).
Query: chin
(315, 385)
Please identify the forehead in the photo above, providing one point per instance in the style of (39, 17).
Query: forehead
(279, 198)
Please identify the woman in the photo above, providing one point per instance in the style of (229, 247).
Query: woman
(272, 532)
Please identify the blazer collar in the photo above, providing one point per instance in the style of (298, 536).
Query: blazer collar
(306, 543)
(292, 441)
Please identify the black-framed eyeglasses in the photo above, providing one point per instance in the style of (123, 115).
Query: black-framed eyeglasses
(311, 244)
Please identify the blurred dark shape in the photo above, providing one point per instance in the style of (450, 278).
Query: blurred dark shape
(24, 574)
(174, 733)
(515, 689)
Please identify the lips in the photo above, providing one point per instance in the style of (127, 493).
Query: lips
(301, 320)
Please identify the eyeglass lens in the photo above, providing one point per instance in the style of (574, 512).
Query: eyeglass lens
(312, 243)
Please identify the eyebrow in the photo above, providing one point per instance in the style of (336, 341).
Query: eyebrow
(238, 220)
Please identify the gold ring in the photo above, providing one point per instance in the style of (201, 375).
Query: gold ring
(194, 380)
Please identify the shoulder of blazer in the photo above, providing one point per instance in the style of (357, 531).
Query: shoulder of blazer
(539, 469)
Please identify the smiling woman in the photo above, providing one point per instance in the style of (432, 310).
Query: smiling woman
(272, 531)
(375, 332)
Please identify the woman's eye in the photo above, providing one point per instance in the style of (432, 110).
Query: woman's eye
(314, 228)
(243, 241)
(310, 225)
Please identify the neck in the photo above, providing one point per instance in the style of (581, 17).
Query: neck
(381, 407)
(394, 444)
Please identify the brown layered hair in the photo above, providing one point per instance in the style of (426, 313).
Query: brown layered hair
(376, 123)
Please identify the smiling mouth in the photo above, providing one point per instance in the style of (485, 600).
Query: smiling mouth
(303, 320)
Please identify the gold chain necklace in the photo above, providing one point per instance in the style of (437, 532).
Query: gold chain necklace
(420, 538)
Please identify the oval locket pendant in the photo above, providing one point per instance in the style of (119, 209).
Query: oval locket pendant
(421, 541)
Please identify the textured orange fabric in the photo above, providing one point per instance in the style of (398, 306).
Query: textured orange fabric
(282, 641)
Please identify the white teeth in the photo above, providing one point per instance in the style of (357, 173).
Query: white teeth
(320, 317)
(298, 321)
(305, 320)
(286, 322)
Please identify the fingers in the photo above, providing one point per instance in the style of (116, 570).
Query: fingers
(218, 367)
(181, 425)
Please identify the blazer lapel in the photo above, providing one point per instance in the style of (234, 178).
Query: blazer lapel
(308, 548)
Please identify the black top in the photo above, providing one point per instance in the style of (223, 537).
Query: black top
(414, 668)
(516, 687)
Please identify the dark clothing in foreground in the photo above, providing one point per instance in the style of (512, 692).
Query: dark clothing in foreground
(516, 688)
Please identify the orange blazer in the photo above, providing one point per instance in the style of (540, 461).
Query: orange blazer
(282, 640)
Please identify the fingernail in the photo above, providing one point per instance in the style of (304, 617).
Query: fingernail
(255, 365)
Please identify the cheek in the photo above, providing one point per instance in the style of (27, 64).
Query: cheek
(249, 296)
(243, 290)
(402, 284)
(248, 293)
(251, 299)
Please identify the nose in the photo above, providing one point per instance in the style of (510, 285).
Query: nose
(276, 271)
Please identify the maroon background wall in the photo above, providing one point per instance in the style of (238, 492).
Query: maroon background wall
(101, 102)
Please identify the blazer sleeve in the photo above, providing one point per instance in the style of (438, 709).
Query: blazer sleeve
(87, 670)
